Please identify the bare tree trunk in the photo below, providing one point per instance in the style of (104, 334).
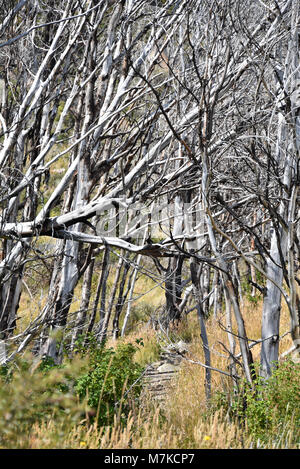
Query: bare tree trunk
(80, 320)
(173, 290)
(130, 296)
(100, 294)
(252, 268)
(282, 242)
(227, 281)
(105, 314)
(121, 300)
(294, 296)
(205, 288)
(201, 316)
(231, 340)
(173, 287)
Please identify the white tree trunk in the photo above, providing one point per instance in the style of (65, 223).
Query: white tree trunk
(288, 145)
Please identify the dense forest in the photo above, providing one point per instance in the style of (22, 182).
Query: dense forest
(149, 191)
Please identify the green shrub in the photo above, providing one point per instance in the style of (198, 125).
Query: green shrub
(274, 404)
(98, 382)
(111, 372)
(30, 395)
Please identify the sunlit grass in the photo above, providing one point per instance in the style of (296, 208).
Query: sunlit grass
(185, 420)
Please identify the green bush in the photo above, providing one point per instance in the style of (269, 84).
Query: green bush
(274, 404)
(97, 382)
(111, 373)
(29, 395)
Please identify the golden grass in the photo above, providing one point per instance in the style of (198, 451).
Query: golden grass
(183, 421)
(34, 295)
(154, 296)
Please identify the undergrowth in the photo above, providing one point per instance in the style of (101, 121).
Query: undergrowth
(97, 386)
(95, 400)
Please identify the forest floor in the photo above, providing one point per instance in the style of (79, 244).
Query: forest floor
(172, 411)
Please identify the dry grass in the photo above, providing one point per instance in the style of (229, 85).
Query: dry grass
(184, 421)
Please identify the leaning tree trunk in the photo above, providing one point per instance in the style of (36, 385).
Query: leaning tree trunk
(12, 272)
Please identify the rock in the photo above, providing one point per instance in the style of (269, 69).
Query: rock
(182, 347)
(160, 374)
(157, 364)
(167, 368)
(179, 347)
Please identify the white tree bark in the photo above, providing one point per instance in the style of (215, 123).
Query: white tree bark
(282, 243)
